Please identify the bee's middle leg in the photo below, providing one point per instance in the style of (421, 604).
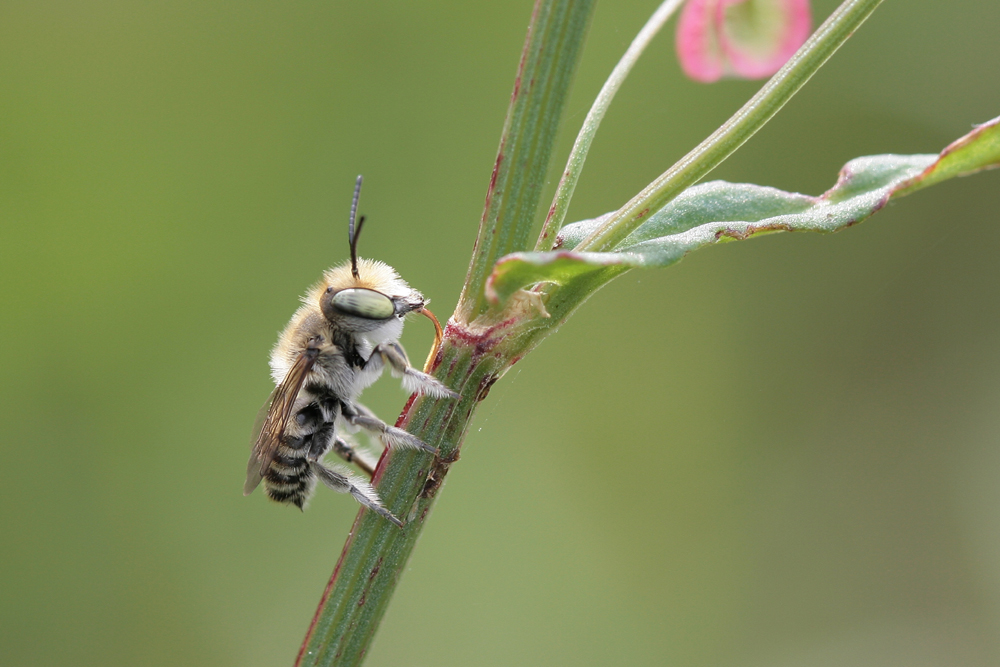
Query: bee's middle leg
(358, 415)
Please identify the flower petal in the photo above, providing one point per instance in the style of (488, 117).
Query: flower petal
(745, 38)
(697, 44)
(759, 36)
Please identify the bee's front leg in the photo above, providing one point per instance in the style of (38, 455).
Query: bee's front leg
(358, 415)
(393, 355)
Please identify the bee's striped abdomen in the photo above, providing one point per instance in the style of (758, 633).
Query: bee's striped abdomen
(289, 479)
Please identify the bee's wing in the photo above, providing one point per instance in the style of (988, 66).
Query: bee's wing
(273, 417)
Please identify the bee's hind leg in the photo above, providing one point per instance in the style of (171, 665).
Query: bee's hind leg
(342, 481)
(358, 415)
(325, 440)
(351, 453)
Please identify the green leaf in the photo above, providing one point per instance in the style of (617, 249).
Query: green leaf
(719, 211)
(742, 125)
(978, 150)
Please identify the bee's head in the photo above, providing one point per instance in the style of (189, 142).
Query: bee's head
(378, 296)
(364, 295)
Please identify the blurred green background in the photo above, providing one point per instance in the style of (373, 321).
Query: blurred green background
(776, 453)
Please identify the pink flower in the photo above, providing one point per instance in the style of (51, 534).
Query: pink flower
(745, 38)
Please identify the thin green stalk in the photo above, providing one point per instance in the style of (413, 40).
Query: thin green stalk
(577, 157)
(743, 125)
(475, 354)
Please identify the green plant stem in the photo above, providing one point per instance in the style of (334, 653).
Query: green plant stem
(548, 62)
(376, 551)
(744, 124)
(578, 156)
(471, 357)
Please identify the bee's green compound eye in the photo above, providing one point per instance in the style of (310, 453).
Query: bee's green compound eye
(365, 303)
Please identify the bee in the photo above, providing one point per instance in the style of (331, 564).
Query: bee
(337, 344)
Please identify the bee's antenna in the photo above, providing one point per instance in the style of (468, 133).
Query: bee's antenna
(352, 232)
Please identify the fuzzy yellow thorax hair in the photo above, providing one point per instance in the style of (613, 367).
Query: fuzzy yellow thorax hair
(372, 274)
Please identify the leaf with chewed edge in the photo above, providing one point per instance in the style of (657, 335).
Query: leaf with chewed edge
(720, 211)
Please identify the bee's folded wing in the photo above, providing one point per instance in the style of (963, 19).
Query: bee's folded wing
(273, 418)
